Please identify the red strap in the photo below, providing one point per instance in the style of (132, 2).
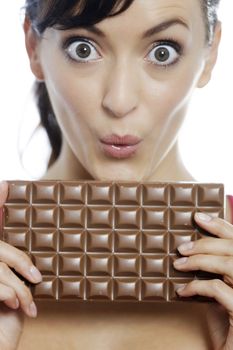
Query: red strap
(1, 217)
(230, 200)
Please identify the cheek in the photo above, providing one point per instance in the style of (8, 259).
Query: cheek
(167, 96)
(71, 91)
(72, 95)
(75, 104)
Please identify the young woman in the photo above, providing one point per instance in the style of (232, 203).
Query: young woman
(114, 80)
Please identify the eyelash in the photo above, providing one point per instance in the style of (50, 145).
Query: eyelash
(169, 41)
(70, 40)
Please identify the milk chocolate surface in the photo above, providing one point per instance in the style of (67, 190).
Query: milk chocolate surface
(108, 241)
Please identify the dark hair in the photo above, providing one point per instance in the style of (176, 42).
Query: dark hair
(67, 14)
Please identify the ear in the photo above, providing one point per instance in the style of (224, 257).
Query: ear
(32, 46)
(211, 57)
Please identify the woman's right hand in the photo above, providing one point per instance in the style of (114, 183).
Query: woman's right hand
(13, 292)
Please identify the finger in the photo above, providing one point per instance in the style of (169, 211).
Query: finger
(8, 278)
(20, 261)
(212, 246)
(216, 226)
(215, 288)
(14, 304)
(210, 263)
(8, 296)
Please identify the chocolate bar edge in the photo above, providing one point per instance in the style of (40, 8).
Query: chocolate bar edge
(111, 182)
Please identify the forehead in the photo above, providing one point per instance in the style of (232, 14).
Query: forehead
(151, 10)
(143, 14)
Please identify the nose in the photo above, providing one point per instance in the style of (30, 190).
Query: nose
(121, 95)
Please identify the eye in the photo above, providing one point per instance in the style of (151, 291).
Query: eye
(81, 50)
(165, 53)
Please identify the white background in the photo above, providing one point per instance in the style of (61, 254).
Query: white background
(206, 139)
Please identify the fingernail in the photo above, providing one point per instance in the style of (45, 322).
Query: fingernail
(185, 246)
(32, 309)
(16, 303)
(35, 273)
(180, 261)
(204, 217)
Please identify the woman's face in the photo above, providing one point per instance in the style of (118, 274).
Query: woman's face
(129, 80)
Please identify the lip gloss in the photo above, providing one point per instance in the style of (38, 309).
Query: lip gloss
(119, 151)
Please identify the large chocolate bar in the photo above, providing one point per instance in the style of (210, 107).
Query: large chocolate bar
(109, 241)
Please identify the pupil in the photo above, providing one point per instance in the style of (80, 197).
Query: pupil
(162, 54)
(83, 50)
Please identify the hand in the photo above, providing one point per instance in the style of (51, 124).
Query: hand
(212, 255)
(13, 291)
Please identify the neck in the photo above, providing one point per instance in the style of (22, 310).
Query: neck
(68, 167)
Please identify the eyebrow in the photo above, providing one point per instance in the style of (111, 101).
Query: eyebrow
(148, 33)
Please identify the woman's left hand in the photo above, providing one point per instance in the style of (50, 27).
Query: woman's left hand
(212, 255)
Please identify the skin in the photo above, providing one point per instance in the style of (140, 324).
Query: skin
(126, 95)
